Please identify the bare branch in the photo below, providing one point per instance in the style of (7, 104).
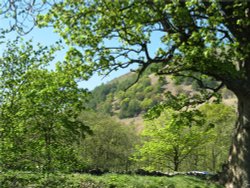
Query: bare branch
(22, 14)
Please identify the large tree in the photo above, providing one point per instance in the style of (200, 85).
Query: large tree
(206, 37)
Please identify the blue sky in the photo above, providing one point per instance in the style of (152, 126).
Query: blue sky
(46, 36)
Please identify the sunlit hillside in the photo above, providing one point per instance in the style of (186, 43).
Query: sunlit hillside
(128, 101)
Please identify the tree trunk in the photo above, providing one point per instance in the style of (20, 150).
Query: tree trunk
(238, 170)
(176, 159)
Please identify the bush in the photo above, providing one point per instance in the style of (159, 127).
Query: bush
(37, 180)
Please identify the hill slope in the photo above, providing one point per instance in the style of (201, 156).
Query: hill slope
(128, 102)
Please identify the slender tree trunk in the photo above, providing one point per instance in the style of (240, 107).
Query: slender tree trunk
(176, 166)
(238, 171)
(176, 159)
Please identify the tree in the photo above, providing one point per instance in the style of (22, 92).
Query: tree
(222, 117)
(49, 110)
(15, 63)
(171, 139)
(206, 37)
(39, 110)
(110, 146)
(213, 153)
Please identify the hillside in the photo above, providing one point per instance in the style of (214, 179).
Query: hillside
(127, 101)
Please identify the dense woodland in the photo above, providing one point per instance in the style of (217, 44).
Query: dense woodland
(121, 97)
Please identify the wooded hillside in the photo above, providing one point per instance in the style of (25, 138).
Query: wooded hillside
(128, 101)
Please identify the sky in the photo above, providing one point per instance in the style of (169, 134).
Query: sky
(46, 36)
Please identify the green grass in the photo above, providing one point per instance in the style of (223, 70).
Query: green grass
(29, 180)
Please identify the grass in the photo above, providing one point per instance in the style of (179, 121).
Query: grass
(30, 180)
(134, 181)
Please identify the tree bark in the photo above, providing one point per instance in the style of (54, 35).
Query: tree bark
(238, 170)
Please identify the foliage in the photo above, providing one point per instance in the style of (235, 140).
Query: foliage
(23, 179)
(194, 36)
(215, 152)
(170, 139)
(206, 37)
(111, 145)
(38, 111)
(111, 98)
